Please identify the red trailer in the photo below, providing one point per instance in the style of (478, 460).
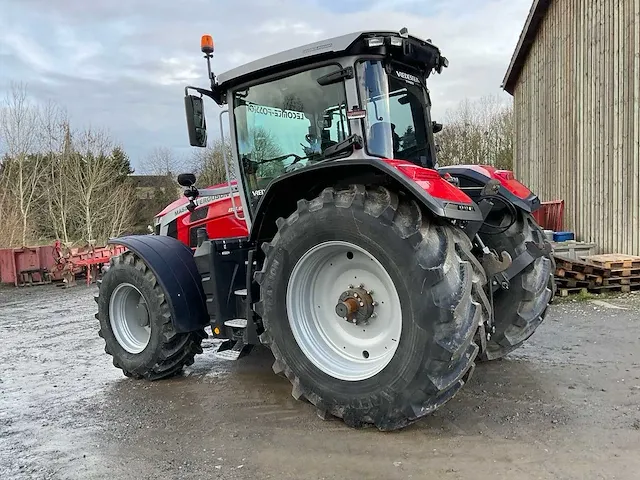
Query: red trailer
(44, 264)
(26, 265)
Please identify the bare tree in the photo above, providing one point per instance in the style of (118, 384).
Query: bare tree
(21, 134)
(208, 163)
(9, 212)
(58, 148)
(80, 178)
(478, 132)
(98, 185)
(162, 161)
(122, 201)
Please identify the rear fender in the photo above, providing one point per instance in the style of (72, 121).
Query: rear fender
(426, 186)
(175, 269)
(510, 188)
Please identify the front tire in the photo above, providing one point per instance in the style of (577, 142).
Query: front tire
(136, 325)
(416, 352)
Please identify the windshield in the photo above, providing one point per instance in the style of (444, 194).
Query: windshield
(286, 124)
(397, 106)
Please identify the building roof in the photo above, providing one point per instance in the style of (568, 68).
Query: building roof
(534, 19)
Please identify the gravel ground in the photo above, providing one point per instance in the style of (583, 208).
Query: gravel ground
(567, 405)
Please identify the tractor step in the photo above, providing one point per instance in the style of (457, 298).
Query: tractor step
(236, 323)
(226, 353)
(241, 293)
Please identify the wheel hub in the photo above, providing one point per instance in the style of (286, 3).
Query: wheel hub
(129, 318)
(356, 305)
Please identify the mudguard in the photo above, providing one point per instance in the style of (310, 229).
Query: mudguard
(172, 263)
(510, 188)
(427, 187)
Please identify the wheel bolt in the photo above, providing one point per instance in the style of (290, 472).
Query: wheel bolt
(375, 304)
(361, 285)
(362, 304)
(369, 292)
(355, 295)
(350, 286)
(374, 315)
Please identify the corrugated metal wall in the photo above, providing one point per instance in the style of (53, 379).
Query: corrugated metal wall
(577, 119)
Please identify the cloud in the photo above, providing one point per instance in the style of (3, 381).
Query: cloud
(122, 65)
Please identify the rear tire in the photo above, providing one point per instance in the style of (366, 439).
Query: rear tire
(439, 285)
(519, 311)
(130, 302)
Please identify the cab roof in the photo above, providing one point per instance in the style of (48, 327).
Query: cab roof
(351, 43)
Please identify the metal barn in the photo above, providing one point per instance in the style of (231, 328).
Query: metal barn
(575, 79)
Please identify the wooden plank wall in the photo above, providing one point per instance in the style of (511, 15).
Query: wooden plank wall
(577, 119)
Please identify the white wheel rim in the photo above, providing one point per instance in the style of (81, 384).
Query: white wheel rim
(129, 318)
(341, 349)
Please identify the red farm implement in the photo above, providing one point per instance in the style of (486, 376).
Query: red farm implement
(28, 266)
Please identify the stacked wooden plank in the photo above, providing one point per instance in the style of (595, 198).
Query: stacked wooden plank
(597, 274)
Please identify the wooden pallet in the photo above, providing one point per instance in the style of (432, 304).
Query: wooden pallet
(571, 264)
(621, 281)
(623, 272)
(562, 273)
(565, 292)
(574, 273)
(571, 283)
(617, 288)
(614, 261)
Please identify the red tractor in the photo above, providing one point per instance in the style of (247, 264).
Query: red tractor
(376, 279)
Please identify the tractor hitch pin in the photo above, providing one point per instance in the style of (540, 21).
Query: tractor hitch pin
(481, 244)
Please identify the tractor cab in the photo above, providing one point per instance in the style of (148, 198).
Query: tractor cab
(358, 96)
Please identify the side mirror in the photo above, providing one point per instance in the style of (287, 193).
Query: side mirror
(196, 122)
(436, 127)
(186, 180)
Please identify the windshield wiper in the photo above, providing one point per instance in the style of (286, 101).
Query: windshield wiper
(297, 158)
(352, 141)
(349, 143)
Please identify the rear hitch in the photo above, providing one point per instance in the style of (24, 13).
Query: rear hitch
(501, 279)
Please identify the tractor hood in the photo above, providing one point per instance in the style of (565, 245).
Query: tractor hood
(183, 201)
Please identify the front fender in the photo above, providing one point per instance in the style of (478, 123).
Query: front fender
(175, 269)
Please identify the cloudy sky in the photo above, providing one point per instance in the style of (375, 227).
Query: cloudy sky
(122, 64)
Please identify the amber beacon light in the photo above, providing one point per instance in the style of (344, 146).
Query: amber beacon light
(206, 44)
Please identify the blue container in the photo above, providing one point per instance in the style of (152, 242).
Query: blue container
(563, 236)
